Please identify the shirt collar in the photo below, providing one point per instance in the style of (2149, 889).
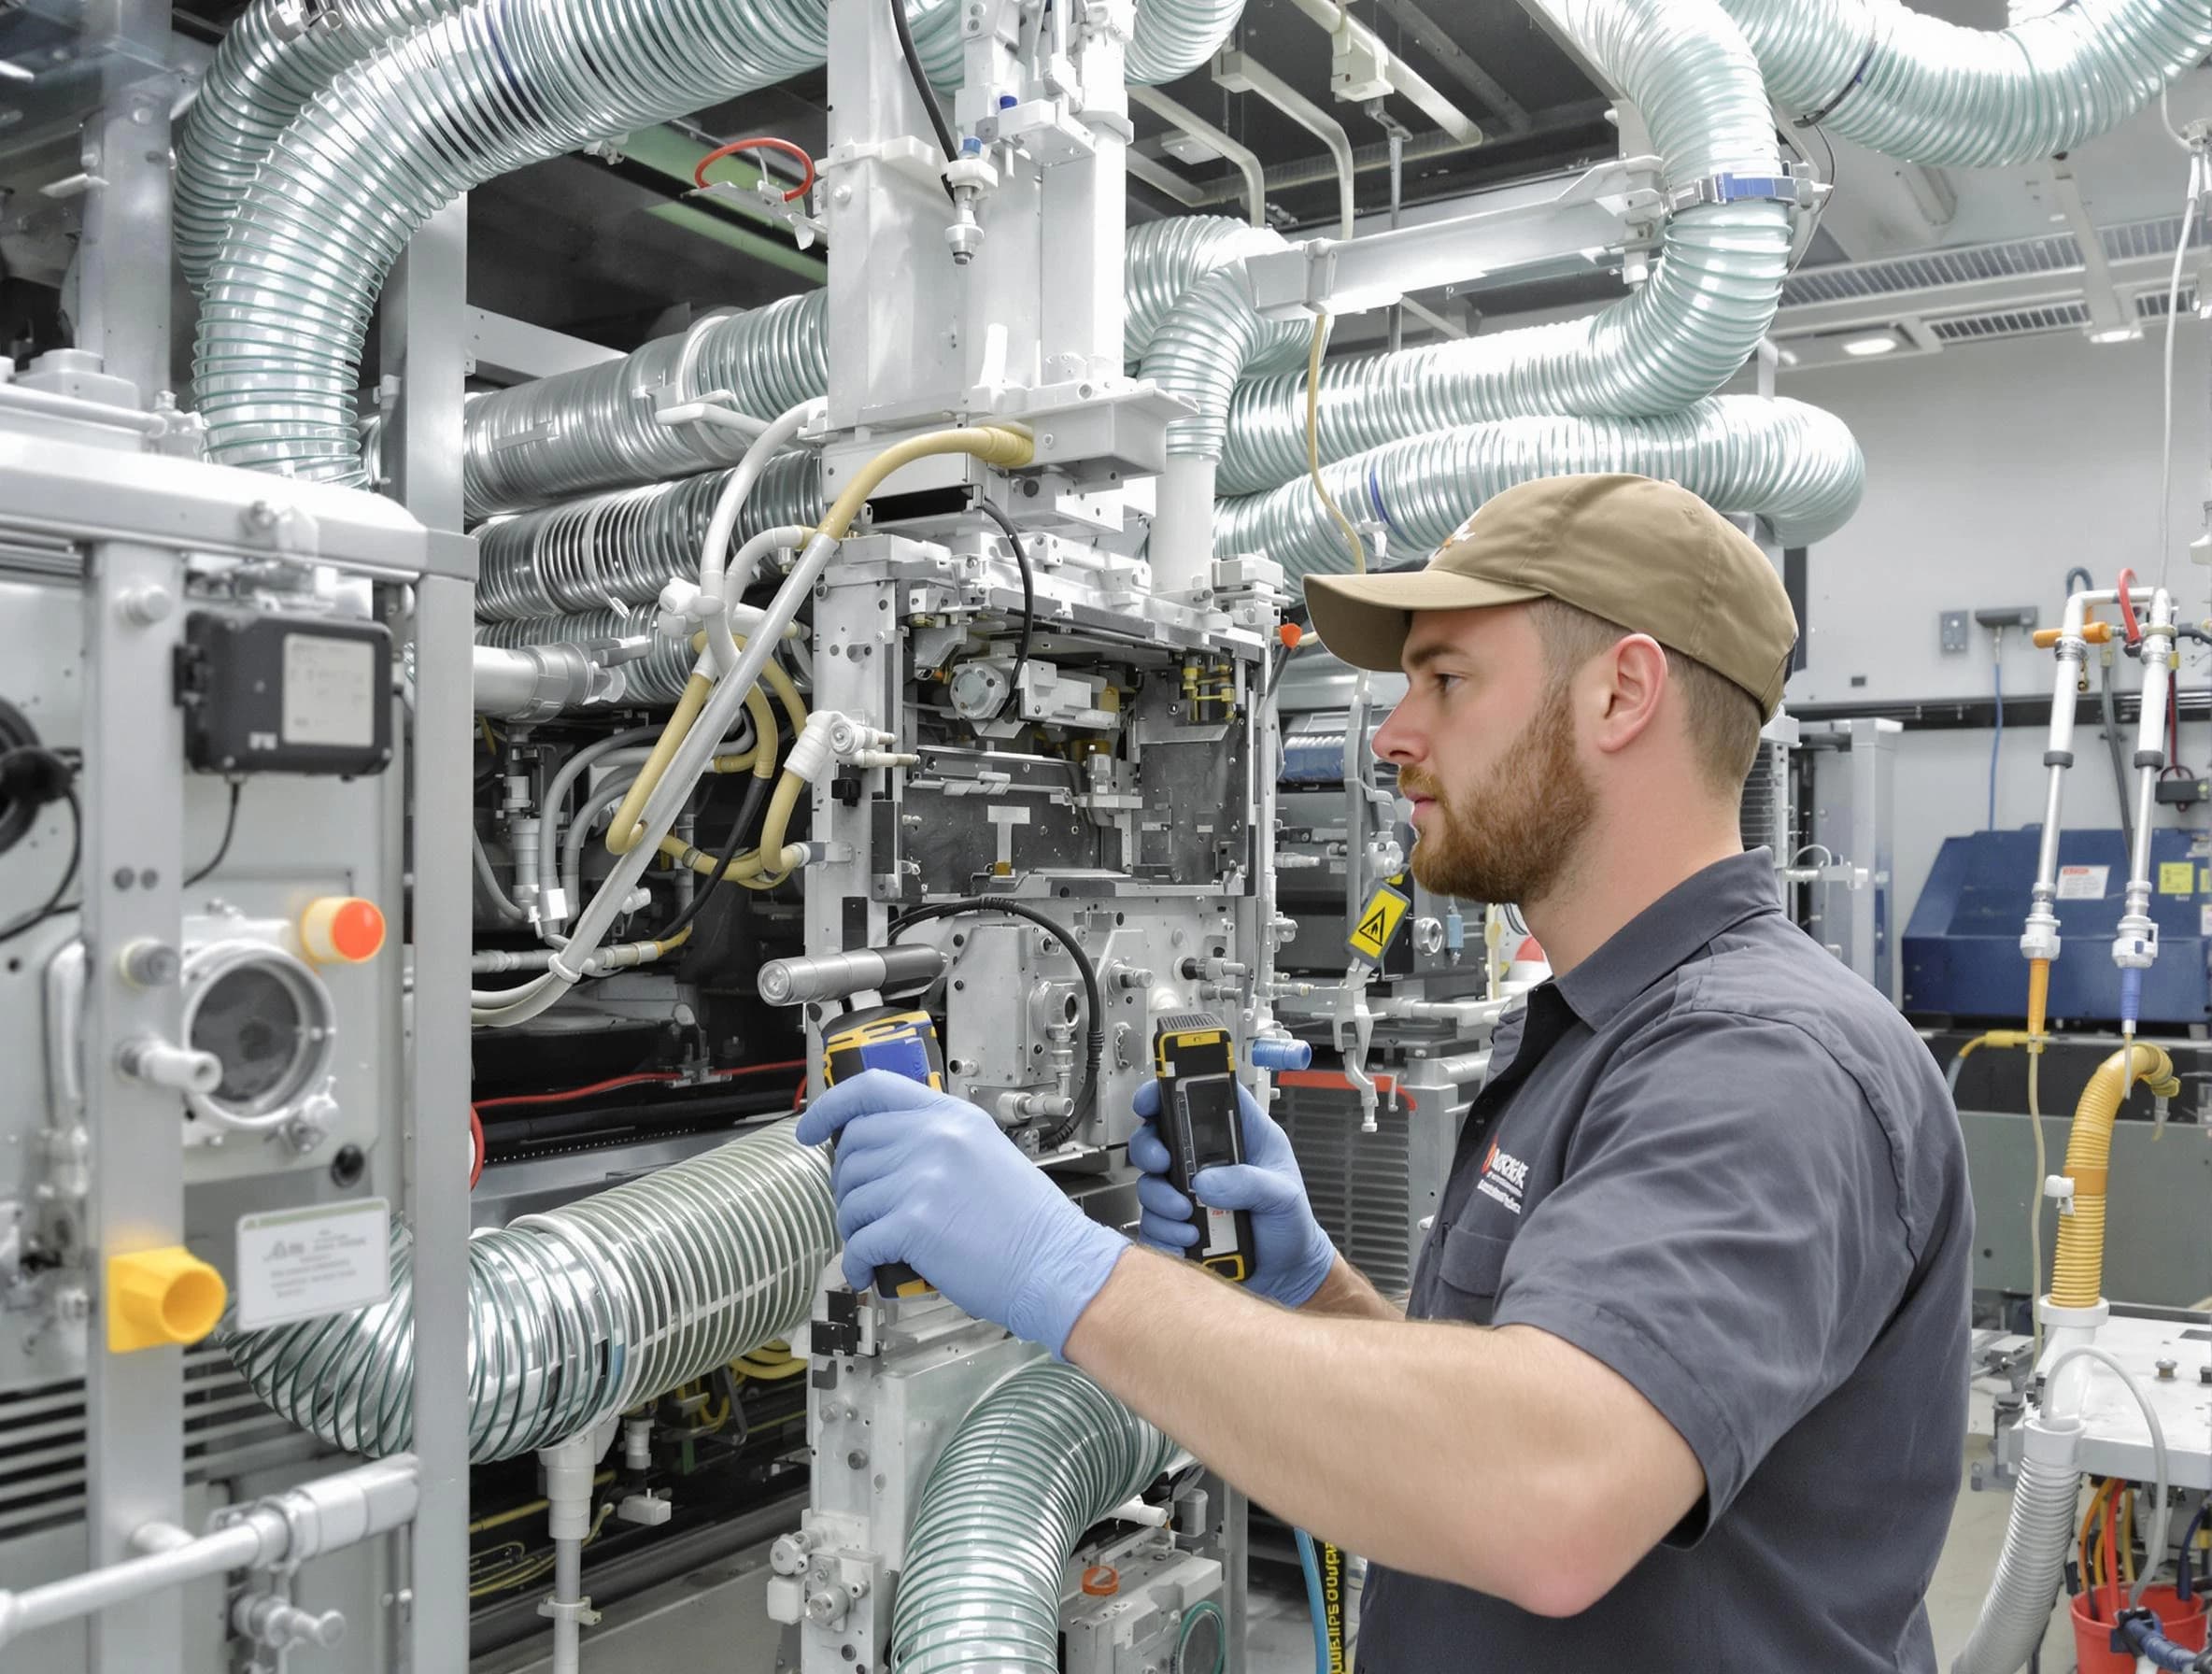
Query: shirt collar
(1669, 931)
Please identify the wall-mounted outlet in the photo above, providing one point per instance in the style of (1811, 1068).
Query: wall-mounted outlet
(1956, 635)
(2006, 615)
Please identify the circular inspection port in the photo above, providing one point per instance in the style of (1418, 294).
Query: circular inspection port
(268, 1020)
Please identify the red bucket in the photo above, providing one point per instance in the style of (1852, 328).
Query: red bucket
(2184, 1624)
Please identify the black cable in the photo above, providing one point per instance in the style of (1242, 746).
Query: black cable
(748, 812)
(1094, 1039)
(1021, 557)
(53, 901)
(921, 86)
(230, 829)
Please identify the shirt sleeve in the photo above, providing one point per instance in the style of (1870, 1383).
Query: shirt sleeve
(1728, 1237)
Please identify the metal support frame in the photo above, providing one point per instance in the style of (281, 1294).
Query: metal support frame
(514, 352)
(1359, 47)
(2110, 319)
(1458, 63)
(1241, 73)
(424, 329)
(1247, 160)
(124, 258)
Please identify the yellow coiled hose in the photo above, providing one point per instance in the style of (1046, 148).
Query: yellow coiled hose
(2078, 1280)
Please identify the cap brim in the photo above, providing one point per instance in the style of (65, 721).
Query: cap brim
(1363, 619)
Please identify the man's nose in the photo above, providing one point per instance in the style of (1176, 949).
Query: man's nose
(1397, 739)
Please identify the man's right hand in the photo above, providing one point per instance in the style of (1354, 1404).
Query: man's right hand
(1294, 1255)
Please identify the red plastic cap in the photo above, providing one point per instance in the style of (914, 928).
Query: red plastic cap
(1291, 634)
(342, 929)
(1102, 1582)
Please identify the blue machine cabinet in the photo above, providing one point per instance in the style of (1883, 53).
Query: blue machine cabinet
(1962, 949)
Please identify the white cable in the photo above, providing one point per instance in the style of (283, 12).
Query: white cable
(2161, 1513)
(2165, 482)
(723, 524)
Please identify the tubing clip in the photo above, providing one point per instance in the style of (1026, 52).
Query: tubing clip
(1727, 188)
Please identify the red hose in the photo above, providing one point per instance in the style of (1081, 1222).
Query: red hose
(475, 1149)
(735, 146)
(567, 1095)
(2127, 610)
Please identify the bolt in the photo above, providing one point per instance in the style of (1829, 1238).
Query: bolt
(124, 877)
(2166, 1369)
(146, 963)
(143, 606)
(858, 1459)
(73, 1305)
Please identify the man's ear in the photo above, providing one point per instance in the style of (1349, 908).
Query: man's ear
(1630, 683)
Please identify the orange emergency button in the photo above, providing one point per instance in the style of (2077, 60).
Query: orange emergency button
(342, 929)
(1102, 1580)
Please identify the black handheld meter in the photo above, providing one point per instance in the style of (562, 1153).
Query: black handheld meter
(904, 1042)
(1195, 1060)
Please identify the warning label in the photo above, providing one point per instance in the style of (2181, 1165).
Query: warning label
(1379, 922)
(2083, 883)
(298, 1263)
(2177, 877)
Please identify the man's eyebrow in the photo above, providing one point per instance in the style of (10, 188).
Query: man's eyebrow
(1423, 656)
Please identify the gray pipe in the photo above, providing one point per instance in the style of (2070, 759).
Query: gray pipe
(1796, 466)
(2033, 1560)
(578, 1313)
(1037, 1461)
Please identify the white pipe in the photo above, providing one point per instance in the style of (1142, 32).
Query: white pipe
(574, 768)
(1198, 127)
(772, 441)
(1240, 72)
(1181, 546)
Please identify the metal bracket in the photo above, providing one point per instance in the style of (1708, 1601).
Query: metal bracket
(1798, 192)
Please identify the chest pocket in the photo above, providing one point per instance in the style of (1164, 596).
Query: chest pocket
(1468, 1269)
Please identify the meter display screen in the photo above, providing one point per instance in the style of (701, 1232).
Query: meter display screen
(1209, 1107)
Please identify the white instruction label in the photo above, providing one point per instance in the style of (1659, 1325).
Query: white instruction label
(330, 690)
(2083, 883)
(298, 1263)
(2204, 922)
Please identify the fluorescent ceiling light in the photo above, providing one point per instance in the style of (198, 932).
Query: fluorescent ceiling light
(2119, 333)
(1872, 343)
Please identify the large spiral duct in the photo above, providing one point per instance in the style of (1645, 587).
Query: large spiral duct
(594, 428)
(1916, 87)
(1211, 338)
(1793, 464)
(1036, 1462)
(622, 548)
(1676, 339)
(1163, 259)
(577, 1313)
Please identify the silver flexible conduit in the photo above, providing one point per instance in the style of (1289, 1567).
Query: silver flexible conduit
(578, 1313)
(2031, 1563)
(1211, 338)
(1036, 1462)
(1916, 87)
(291, 284)
(656, 677)
(578, 432)
(622, 548)
(1796, 466)
(1676, 339)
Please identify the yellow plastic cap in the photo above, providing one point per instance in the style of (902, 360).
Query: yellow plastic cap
(342, 929)
(157, 1298)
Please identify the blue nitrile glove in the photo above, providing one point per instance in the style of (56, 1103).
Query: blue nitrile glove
(929, 1180)
(1294, 1255)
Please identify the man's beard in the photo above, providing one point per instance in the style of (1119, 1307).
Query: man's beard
(1513, 837)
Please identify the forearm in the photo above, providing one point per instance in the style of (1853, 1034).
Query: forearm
(1346, 1294)
(1358, 1428)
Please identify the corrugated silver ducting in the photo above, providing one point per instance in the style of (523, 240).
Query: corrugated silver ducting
(1793, 464)
(577, 1313)
(577, 432)
(1173, 39)
(656, 677)
(1913, 86)
(622, 548)
(1676, 339)
(1211, 338)
(259, 79)
(1034, 1464)
(1164, 259)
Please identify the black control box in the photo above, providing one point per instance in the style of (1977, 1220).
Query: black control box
(281, 694)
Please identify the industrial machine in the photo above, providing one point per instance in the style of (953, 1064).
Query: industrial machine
(463, 787)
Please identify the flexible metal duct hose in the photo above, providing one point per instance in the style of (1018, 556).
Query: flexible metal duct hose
(656, 677)
(1796, 466)
(1210, 338)
(1163, 259)
(257, 82)
(622, 548)
(1676, 339)
(581, 1312)
(576, 432)
(1173, 38)
(1916, 87)
(2030, 1567)
(1036, 1462)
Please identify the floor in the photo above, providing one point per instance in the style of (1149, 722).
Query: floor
(1282, 1642)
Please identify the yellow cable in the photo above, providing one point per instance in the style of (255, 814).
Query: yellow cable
(2035, 1207)
(626, 827)
(500, 1518)
(1359, 551)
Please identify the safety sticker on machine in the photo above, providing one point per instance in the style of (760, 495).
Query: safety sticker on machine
(2177, 877)
(2083, 883)
(298, 1263)
(1379, 922)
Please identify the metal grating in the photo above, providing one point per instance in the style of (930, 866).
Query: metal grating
(42, 1463)
(2152, 305)
(1359, 1183)
(1764, 820)
(2055, 252)
(2011, 322)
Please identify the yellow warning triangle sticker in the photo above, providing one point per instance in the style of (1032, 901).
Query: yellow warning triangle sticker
(1377, 927)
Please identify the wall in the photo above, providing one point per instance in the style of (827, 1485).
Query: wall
(1992, 469)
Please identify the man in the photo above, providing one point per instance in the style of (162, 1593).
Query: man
(1683, 1384)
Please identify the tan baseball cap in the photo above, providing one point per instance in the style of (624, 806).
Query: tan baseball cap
(1647, 555)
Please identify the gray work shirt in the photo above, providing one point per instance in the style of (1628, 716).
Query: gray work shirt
(1716, 1160)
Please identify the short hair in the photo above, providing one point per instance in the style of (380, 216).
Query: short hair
(1721, 718)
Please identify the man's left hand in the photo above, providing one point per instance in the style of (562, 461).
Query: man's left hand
(929, 1180)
